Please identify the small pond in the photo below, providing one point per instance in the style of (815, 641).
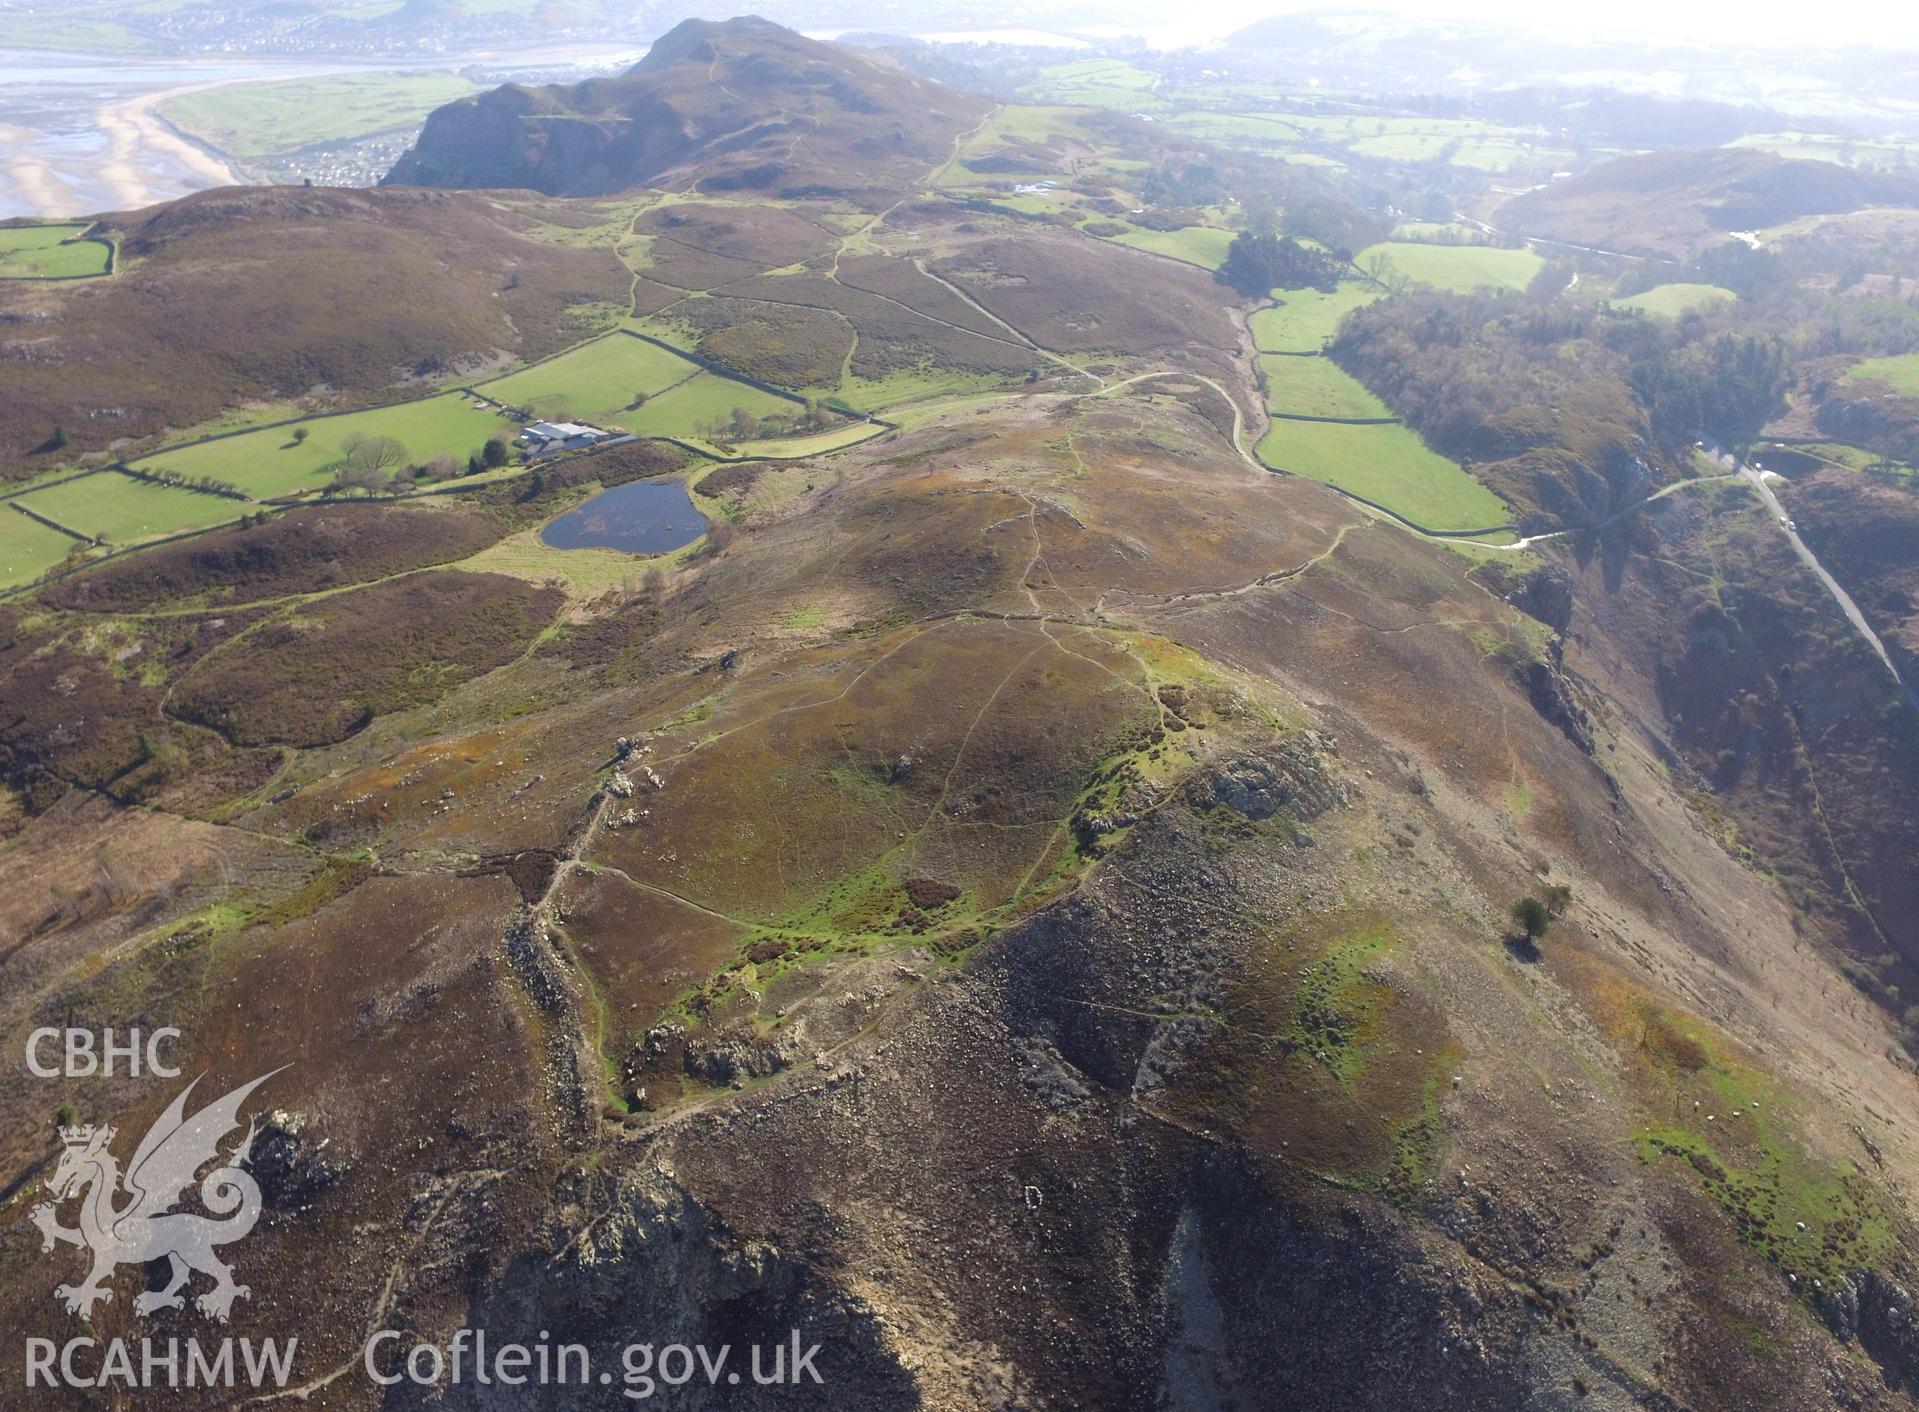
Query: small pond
(640, 517)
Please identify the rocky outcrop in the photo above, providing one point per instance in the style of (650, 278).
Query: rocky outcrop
(1543, 592)
(652, 1266)
(1292, 777)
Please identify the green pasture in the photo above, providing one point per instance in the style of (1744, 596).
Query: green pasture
(1388, 465)
(28, 548)
(1251, 127)
(271, 462)
(1306, 318)
(1902, 372)
(49, 252)
(1458, 268)
(1671, 300)
(123, 510)
(913, 385)
(1204, 246)
(681, 410)
(1095, 83)
(1316, 387)
(595, 382)
(793, 448)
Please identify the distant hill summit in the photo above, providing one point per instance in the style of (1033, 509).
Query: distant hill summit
(1674, 203)
(751, 104)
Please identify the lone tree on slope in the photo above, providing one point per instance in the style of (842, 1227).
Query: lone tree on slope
(1532, 916)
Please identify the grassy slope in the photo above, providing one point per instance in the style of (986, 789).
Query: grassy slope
(1196, 245)
(28, 548)
(40, 252)
(595, 381)
(1672, 300)
(679, 411)
(1459, 268)
(122, 510)
(1306, 318)
(1386, 464)
(269, 462)
(1902, 372)
(1317, 387)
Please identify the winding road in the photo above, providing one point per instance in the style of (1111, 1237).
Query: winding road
(1757, 478)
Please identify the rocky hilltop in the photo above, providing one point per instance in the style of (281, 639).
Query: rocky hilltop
(749, 104)
(1023, 893)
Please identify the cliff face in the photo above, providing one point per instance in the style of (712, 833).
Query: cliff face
(755, 105)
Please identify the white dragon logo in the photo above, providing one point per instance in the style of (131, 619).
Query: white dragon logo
(146, 1228)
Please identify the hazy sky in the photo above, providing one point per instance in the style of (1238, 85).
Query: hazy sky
(1835, 22)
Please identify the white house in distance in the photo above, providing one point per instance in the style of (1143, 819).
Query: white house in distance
(545, 438)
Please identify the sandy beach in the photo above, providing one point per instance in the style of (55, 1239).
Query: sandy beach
(97, 141)
(34, 181)
(137, 136)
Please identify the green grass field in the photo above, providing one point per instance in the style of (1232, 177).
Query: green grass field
(792, 448)
(1204, 246)
(269, 462)
(1458, 268)
(1317, 387)
(1096, 83)
(680, 411)
(1440, 232)
(1460, 142)
(1306, 319)
(122, 510)
(1669, 301)
(1013, 125)
(1902, 372)
(1389, 465)
(28, 548)
(596, 382)
(913, 386)
(252, 121)
(40, 252)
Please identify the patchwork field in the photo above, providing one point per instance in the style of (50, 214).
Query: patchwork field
(1671, 300)
(1306, 318)
(1317, 387)
(596, 382)
(1096, 83)
(1256, 128)
(28, 548)
(275, 461)
(1458, 268)
(123, 510)
(50, 252)
(1388, 465)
